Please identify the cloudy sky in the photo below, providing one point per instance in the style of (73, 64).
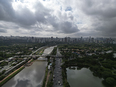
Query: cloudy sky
(58, 18)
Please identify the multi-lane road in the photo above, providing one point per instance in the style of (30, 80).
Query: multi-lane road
(57, 75)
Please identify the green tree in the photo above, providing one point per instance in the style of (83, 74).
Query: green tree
(110, 81)
(106, 74)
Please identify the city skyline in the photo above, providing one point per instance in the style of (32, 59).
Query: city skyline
(58, 18)
(58, 39)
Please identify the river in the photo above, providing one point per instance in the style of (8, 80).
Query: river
(83, 78)
(48, 50)
(31, 76)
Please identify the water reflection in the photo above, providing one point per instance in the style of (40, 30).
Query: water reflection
(83, 78)
(48, 50)
(23, 83)
(31, 76)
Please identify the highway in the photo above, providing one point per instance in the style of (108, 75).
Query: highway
(37, 50)
(57, 75)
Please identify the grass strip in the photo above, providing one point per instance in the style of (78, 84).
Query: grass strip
(44, 81)
(12, 75)
(41, 52)
(54, 51)
(32, 60)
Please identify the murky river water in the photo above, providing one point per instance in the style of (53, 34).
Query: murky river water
(83, 78)
(31, 76)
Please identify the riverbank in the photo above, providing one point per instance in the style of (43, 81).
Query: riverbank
(48, 75)
(41, 52)
(33, 67)
(99, 68)
(11, 75)
(34, 74)
(64, 76)
(48, 79)
(45, 77)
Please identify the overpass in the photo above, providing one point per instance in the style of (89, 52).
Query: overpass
(58, 55)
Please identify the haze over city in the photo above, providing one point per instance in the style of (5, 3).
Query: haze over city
(58, 18)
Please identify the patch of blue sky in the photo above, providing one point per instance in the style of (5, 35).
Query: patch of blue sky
(19, 0)
(68, 9)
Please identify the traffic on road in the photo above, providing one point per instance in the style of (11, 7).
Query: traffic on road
(57, 75)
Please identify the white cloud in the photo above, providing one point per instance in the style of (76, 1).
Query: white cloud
(54, 17)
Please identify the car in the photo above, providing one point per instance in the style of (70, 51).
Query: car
(58, 82)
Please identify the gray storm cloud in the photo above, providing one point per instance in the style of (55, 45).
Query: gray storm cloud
(23, 17)
(101, 15)
(6, 10)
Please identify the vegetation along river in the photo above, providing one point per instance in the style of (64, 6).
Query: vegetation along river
(31, 76)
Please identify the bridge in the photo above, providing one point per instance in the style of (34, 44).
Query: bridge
(43, 56)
